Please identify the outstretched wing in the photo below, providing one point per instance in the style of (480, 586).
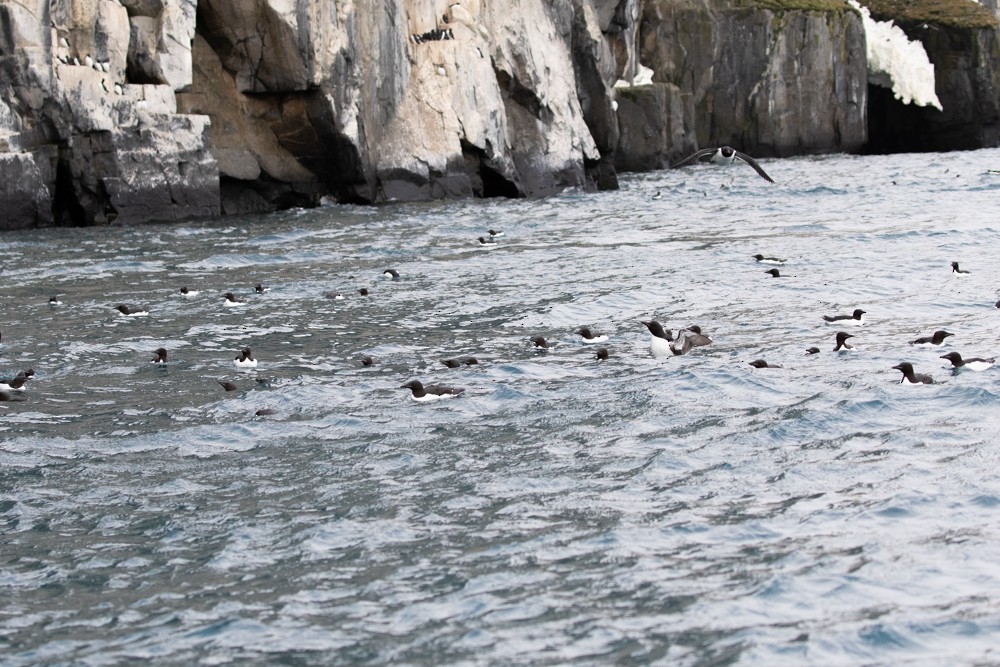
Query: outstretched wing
(696, 156)
(753, 163)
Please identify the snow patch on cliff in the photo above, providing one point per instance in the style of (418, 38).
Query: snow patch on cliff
(897, 63)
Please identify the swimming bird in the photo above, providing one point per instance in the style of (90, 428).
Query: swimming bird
(15, 384)
(54, 301)
(431, 392)
(774, 273)
(131, 311)
(590, 337)
(245, 360)
(265, 412)
(659, 339)
(260, 288)
(161, 356)
(958, 271)
(392, 274)
(909, 377)
(842, 344)
(973, 363)
(857, 318)
(812, 350)
(228, 386)
(231, 300)
(363, 291)
(185, 292)
(367, 361)
(334, 295)
(602, 353)
(760, 363)
(455, 363)
(724, 155)
(540, 342)
(936, 340)
(657, 196)
(4, 396)
(487, 242)
(768, 260)
(494, 233)
(694, 334)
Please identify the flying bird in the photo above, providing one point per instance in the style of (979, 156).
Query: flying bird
(724, 155)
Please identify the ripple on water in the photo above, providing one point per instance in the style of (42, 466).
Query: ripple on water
(689, 510)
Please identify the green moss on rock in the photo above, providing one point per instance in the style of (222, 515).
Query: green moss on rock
(796, 5)
(954, 13)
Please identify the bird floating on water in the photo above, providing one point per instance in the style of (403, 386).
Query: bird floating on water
(911, 377)
(857, 318)
(431, 392)
(972, 363)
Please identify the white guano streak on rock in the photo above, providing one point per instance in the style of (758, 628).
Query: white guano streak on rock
(897, 63)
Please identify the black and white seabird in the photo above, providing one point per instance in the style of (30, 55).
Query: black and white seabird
(657, 196)
(131, 311)
(487, 242)
(494, 233)
(245, 360)
(857, 318)
(659, 339)
(774, 273)
(602, 353)
(760, 363)
(768, 260)
(161, 356)
(18, 383)
(367, 361)
(812, 350)
(910, 377)
(590, 337)
(464, 361)
(431, 392)
(260, 288)
(231, 300)
(935, 340)
(265, 412)
(724, 155)
(334, 295)
(363, 291)
(54, 301)
(958, 271)
(973, 363)
(188, 292)
(540, 342)
(392, 274)
(842, 344)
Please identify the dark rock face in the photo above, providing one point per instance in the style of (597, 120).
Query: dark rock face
(657, 127)
(967, 82)
(772, 84)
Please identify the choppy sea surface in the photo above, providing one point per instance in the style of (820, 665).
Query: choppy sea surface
(690, 510)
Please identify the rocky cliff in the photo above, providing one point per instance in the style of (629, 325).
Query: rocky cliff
(772, 81)
(136, 110)
(961, 41)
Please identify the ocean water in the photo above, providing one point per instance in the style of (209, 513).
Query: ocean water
(685, 511)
